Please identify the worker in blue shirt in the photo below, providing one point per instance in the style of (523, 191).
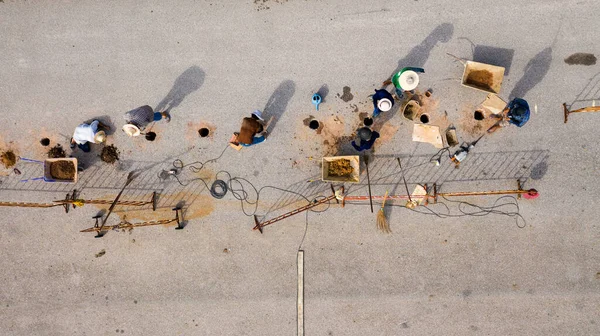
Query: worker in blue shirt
(516, 113)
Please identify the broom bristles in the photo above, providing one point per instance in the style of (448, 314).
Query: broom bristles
(382, 223)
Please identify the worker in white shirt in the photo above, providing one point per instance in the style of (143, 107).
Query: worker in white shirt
(86, 133)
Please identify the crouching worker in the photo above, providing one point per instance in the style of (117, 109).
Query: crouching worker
(86, 133)
(382, 102)
(516, 113)
(139, 118)
(367, 139)
(251, 127)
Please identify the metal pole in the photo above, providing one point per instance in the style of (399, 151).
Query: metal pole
(369, 182)
(453, 194)
(130, 178)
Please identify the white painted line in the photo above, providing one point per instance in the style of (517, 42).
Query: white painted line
(300, 293)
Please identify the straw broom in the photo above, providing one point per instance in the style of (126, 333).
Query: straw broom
(382, 223)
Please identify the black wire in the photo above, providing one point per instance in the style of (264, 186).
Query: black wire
(221, 185)
(192, 166)
(235, 185)
(479, 210)
(440, 153)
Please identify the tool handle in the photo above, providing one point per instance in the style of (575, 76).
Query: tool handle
(33, 179)
(30, 160)
(457, 58)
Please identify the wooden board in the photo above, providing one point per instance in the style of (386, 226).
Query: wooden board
(232, 142)
(493, 104)
(429, 134)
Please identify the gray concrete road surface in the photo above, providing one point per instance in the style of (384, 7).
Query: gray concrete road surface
(210, 63)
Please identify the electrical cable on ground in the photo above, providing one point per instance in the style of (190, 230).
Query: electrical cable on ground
(464, 212)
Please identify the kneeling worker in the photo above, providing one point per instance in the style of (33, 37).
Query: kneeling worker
(86, 133)
(516, 113)
(139, 118)
(367, 139)
(250, 128)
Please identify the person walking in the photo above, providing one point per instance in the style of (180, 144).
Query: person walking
(137, 119)
(251, 127)
(516, 113)
(86, 133)
(367, 139)
(382, 102)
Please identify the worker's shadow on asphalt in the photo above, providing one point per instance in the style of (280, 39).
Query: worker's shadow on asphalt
(418, 55)
(535, 71)
(189, 81)
(277, 103)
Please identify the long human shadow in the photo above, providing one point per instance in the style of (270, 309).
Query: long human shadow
(189, 81)
(418, 55)
(535, 71)
(277, 103)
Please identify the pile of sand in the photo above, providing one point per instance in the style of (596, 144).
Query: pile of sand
(110, 154)
(56, 152)
(482, 79)
(62, 170)
(341, 168)
(9, 159)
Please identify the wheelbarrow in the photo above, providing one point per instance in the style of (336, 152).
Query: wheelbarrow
(48, 177)
(480, 76)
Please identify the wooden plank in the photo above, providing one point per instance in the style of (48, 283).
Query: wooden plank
(300, 293)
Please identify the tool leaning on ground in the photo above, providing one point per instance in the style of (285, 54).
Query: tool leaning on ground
(410, 204)
(382, 223)
(130, 177)
(369, 181)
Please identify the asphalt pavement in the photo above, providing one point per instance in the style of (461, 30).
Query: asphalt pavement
(506, 267)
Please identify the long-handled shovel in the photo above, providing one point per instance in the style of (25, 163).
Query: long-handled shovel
(369, 181)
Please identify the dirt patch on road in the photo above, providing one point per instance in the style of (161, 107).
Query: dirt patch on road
(346, 94)
(581, 59)
(467, 125)
(193, 131)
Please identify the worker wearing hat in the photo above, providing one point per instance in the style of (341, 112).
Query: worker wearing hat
(367, 139)
(382, 102)
(137, 119)
(516, 113)
(86, 133)
(251, 127)
(406, 79)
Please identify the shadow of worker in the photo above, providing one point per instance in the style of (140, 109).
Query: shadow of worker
(277, 103)
(535, 70)
(419, 54)
(189, 81)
